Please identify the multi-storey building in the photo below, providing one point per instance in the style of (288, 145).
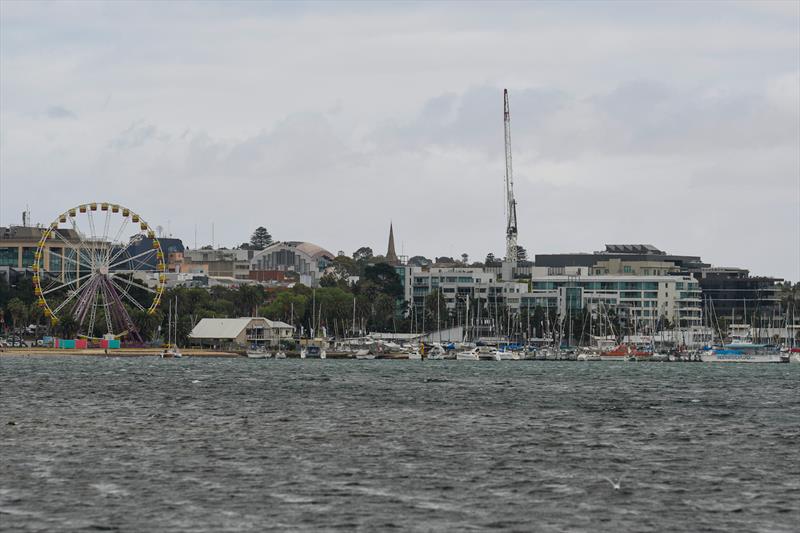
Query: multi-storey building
(219, 263)
(737, 297)
(459, 283)
(730, 292)
(18, 245)
(640, 298)
(646, 299)
(627, 254)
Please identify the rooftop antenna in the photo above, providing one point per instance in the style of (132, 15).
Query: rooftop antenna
(511, 203)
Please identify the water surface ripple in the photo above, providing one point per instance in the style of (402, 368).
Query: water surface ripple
(250, 445)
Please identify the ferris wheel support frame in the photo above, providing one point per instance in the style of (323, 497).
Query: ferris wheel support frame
(100, 268)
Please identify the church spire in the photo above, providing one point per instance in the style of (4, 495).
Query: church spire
(391, 254)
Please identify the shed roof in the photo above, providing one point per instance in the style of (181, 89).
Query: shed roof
(219, 328)
(229, 328)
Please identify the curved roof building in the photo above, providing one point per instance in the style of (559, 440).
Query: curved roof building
(306, 259)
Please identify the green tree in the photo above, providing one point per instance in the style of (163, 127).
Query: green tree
(328, 280)
(289, 306)
(385, 278)
(345, 266)
(435, 309)
(419, 261)
(363, 254)
(260, 238)
(146, 324)
(18, 312)
(35, 315)
(248, 298)
(67, 327)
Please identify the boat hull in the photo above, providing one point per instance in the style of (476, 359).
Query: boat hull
(714, 357)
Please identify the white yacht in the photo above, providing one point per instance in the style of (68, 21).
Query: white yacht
(258, 352)
(589, 356)
(171, 353)
(437, 353)
(312, 352)
(479, 353)
(507, 355)
(744, 352)
(468, 355)
(415, 355)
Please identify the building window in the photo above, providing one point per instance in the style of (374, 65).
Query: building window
(9, 257)
(55, 259)
(27, 256)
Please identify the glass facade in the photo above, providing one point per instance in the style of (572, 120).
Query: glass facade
(9, 257)
(55, 259)
(574, 296)
(27, 256)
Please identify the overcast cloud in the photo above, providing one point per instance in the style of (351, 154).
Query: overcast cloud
(675, 124)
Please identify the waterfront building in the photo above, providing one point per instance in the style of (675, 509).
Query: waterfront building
(305, 259)
(239, 332)
(637, 257)
(738, 297)
(643, 299)
(729, 293)
(18, 246)
(459, 283)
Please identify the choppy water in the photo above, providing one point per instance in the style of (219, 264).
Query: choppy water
(249, 445)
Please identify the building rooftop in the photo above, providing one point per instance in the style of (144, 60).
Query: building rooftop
(632, 249)
(306, 247)
(33, 233)
(228, 328)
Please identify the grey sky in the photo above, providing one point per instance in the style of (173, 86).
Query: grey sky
(676, 124)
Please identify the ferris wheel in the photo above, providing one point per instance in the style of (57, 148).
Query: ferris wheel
(98, 264)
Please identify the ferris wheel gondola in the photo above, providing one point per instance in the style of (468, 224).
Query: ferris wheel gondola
(99, 263)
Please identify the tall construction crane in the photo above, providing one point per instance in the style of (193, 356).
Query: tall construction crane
(511, 207)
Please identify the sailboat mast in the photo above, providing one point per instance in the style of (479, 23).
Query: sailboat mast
(175, 326)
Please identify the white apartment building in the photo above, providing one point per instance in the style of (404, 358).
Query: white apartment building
(459, 283)
(641, 298)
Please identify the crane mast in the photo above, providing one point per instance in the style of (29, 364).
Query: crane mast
(511, 208)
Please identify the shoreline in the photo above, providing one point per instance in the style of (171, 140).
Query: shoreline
(100, 352)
